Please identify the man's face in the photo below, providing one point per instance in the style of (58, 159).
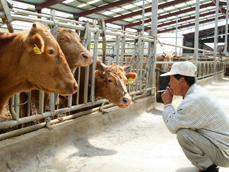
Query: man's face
(176, 86)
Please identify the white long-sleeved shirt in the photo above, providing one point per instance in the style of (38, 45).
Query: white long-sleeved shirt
(200, 111)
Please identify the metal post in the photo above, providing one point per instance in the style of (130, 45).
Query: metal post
(154, 19)
(143, 16)
(87, 69)
(226, 29)
(122, 49)
(41, 102)
(196, 43)
(96, 38)
(216, 34)
(141, 62)
(117, 47)
(176, 34)
(7, 18)
(53, 99)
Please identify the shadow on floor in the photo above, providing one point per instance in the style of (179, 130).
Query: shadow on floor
(188, 169)
(86, 149)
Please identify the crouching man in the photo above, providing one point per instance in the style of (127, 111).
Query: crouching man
(201, 124)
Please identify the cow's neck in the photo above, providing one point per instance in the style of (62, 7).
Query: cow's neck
(8, 90)
(10, 75)
(98, 90)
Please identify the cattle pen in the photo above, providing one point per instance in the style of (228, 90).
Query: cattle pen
(83, 133)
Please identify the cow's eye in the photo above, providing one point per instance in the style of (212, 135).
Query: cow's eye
(51, 51)
(110, 80)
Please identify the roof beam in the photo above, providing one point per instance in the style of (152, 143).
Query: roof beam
(185, 19)
(104, 7)
(220, 8)
(167, 4)
(192, 24)
(169, 15)
(47, 4)
(181, 20)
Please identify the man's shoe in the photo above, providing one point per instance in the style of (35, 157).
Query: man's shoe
(212, 168)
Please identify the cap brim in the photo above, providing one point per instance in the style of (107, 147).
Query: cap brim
(168, 74)
(171, 73)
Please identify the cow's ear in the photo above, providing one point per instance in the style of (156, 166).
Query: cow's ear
(100, 76)
(132, 75)
(38, 44)
(34, 41)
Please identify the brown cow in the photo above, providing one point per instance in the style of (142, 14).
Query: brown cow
(165, 57)
(110, 84)
(76, 55)
(33, 60)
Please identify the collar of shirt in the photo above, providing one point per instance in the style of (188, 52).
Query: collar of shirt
(193, 87)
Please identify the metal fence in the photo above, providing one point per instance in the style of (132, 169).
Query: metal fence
(125, 44)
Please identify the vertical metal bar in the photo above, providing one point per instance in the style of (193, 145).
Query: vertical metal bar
(154, 19)
(226, 29)
(41, 102)
(147, 68)
(87, 70)
(176, 33)
(52, 102)
(137, 63)
(70, 97)
(196, 43)
(143, 16)
(117, 49)
(29, 104)
(86, 81)
(17, 107)
(96, 38)
(8, 18)
(122, 49)
(11, 108)
(53, 99)
(78, 81)
(141, 62)
(216, 33)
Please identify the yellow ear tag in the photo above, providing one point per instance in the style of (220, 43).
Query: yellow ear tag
(131, 81)
(36, 49)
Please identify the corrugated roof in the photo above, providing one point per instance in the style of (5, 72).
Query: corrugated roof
(127, 14)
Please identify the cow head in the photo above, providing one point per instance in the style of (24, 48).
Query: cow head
(168, 56)
(111, 84)
(44, 59)
(75, 53)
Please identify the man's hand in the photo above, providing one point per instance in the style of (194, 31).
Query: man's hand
(167, 96)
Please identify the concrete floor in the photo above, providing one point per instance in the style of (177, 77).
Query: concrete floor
(139, 144)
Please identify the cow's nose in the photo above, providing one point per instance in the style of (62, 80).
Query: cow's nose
(75, 87)
(127, 99)
(87, 56)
